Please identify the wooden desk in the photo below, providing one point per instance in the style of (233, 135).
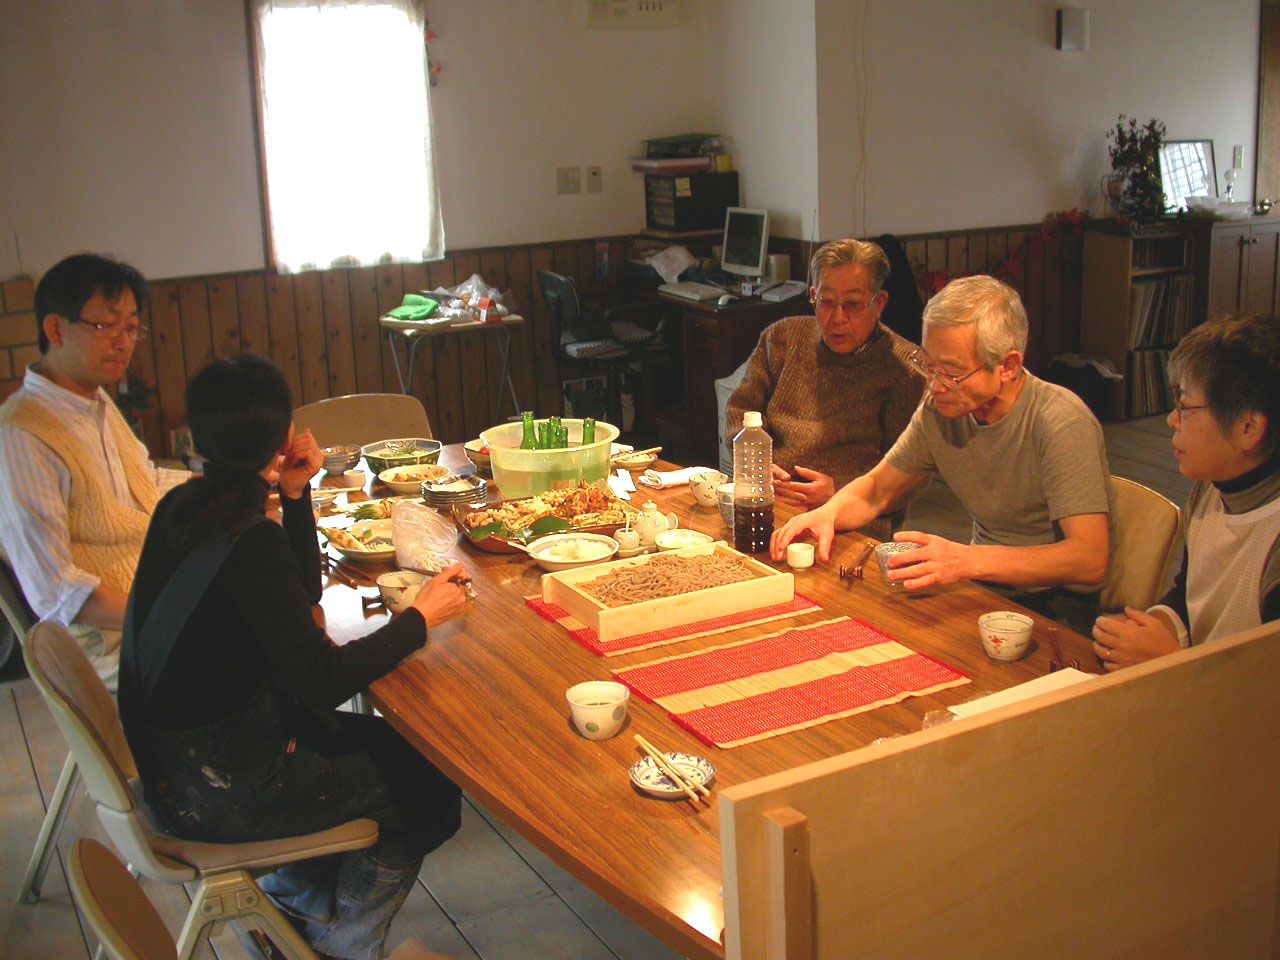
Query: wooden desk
(716, 341)
(485, 702)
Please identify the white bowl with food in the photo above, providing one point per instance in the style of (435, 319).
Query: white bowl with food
(679, 539)
(410, 479)
(367, 541)
(564, 551)
(477, 452)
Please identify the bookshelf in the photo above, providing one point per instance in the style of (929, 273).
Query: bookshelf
(1138, 299)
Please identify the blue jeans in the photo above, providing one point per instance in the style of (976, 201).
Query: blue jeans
(295, 774)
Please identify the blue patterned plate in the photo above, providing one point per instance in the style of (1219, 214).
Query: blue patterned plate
(648, 778)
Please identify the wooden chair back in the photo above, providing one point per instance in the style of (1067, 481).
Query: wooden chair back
(1147, 541)
(1131, 815)
(362, 418)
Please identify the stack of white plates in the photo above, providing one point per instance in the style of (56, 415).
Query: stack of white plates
(470, 489)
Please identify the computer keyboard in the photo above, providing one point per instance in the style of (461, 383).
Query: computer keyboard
(692, 291)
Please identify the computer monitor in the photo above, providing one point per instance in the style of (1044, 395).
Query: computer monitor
(746, 242)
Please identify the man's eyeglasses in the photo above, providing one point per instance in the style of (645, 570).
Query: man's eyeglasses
(113, 331)
(851, 308)
(920, 364)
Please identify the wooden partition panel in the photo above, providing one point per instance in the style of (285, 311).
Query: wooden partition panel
(1134, 815)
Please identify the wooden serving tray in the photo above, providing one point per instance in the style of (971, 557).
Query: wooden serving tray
(767, 588)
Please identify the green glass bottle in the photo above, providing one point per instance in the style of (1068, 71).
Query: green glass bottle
(530, 439)
(544, 434)
(588, 431)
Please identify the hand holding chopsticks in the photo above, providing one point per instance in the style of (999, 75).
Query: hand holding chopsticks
(693, 789)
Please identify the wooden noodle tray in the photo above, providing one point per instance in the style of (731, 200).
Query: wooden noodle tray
(767, 588)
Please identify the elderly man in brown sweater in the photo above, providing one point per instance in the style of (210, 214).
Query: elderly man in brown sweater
(836, 389)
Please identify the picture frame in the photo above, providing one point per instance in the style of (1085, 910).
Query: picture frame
(1187, 169)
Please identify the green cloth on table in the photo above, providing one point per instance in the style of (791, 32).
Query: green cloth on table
(415, 307)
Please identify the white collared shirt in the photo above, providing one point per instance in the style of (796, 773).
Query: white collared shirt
(36, 484)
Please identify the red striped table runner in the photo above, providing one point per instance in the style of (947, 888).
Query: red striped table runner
(742, 692)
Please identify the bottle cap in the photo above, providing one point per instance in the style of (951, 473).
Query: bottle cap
(752, 419)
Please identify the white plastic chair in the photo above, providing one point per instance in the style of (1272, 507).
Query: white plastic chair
(87, 717)
(362, 418)
(1147, 534)
(20, 619)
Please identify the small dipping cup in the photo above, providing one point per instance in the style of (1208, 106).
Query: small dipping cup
(886, 550)
(598, 707)
(1006, 635)
(799, 555)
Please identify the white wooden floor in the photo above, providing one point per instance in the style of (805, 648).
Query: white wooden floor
(486, 894)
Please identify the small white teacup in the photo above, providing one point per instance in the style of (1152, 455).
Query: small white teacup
(399, 587)
(1006, 635)
(598, 707)
(703, 486)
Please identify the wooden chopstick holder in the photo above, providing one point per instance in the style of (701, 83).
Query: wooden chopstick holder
(692, 788)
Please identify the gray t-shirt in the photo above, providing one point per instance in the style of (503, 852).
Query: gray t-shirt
(1044, 460)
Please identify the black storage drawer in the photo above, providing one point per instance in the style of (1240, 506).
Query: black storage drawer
(695, 201)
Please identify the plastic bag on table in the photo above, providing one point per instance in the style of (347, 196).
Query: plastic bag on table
(471, 296)
(423, 538)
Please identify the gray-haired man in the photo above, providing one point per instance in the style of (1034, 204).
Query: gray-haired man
(1026, 459)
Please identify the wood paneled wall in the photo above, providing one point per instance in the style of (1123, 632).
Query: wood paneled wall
(322, 328)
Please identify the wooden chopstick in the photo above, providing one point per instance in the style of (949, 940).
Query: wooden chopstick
(862, 560)
(687, 784)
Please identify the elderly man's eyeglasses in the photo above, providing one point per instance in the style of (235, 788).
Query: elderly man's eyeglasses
(1182, 409)
(113, 331)
(921, 365)
(851, 308)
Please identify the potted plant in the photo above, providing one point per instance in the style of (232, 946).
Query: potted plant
(1135, 157)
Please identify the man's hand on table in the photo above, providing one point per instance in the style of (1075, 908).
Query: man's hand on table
(819, 524)
(299, 463)
(812, 488)
(937, 563)
(444, 597)
(1132, 637)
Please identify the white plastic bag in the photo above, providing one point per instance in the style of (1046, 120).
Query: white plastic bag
(422, 537)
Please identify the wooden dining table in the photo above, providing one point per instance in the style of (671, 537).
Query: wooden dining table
(484, 700)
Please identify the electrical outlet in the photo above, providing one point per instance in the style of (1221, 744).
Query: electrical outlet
(595, 180)
(568, 180)
(1237, 156)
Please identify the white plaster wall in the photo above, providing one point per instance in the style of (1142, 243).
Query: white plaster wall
(526, 88)
(761, 83)
(127, 127)
(974, 119)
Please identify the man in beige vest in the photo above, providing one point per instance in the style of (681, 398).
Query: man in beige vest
(78, 487)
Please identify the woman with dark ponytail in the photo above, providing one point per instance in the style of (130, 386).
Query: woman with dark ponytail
(228, 686)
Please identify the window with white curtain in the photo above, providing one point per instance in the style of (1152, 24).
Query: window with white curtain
(346, 133)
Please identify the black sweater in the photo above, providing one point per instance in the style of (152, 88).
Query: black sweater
(255, 620)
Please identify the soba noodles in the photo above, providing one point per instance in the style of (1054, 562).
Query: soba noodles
(664, 576)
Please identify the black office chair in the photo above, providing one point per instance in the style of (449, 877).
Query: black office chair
(610, 338)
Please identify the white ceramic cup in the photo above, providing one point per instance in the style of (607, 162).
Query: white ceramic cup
(628, 538)
(724, 497)
(598, 707)
(886, 550)
(1006, 635)
(799, 555)
(353, 478)
(703, 486)
(399, 587)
